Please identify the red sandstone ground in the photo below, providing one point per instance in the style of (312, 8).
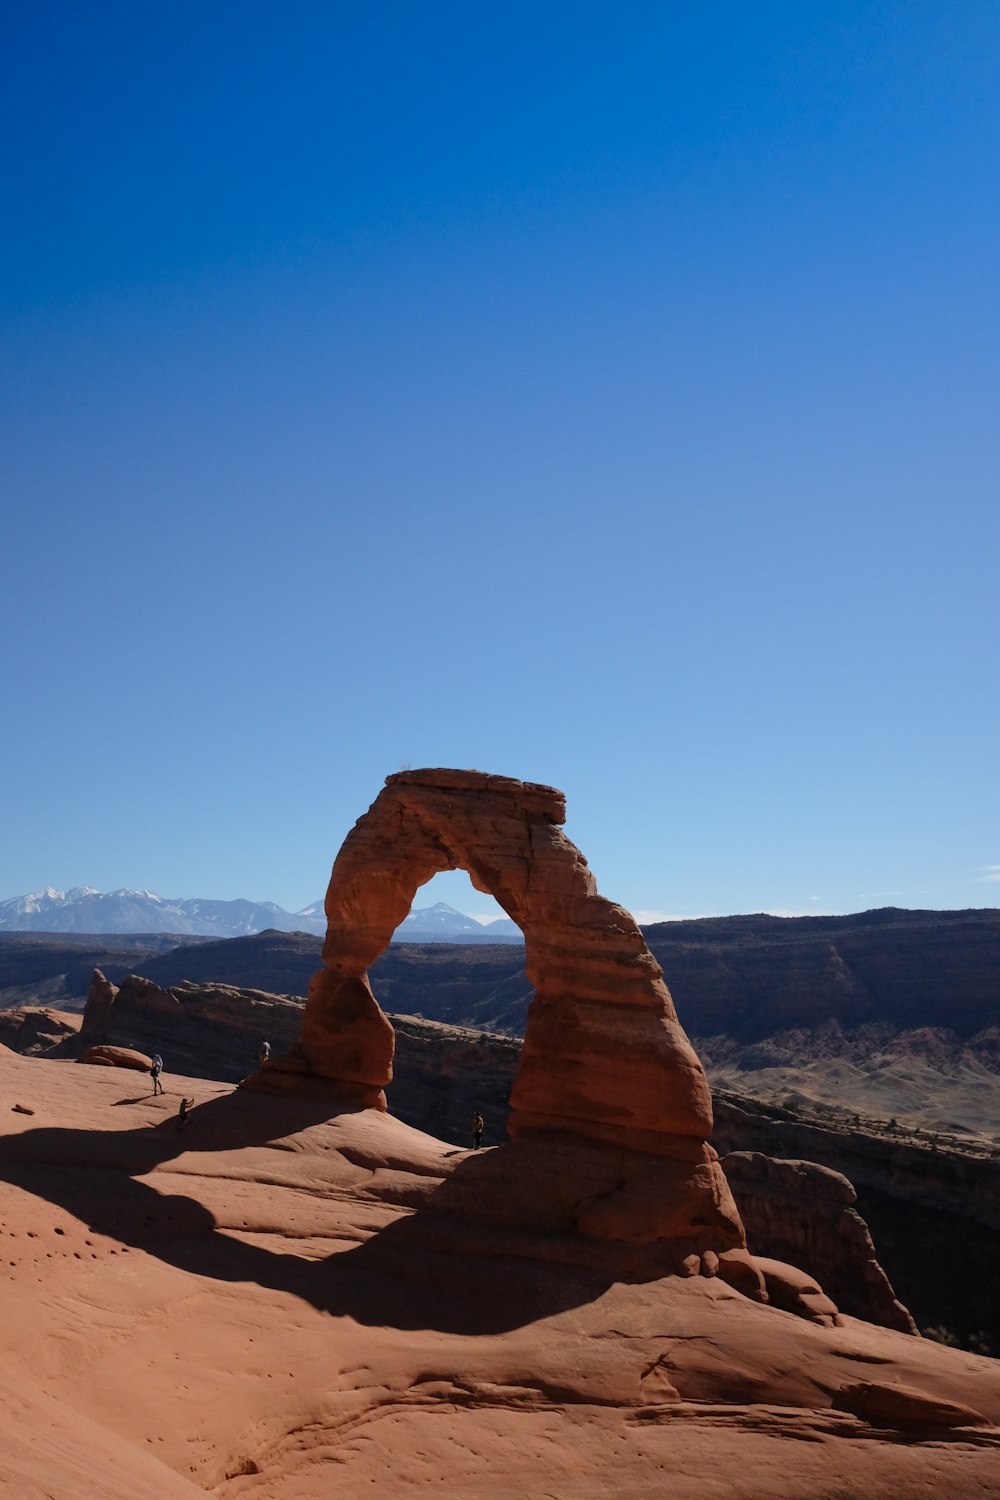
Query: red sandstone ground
(270, 1304)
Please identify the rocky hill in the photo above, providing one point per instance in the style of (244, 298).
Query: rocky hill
(917, 1193)
(746, 977)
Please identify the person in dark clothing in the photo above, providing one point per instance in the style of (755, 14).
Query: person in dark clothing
(155, 1070)
(478, 1126)
(182, 1113)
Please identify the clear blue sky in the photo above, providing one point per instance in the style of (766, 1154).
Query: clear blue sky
(604, 395)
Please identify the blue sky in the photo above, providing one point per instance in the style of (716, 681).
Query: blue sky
(602, 395)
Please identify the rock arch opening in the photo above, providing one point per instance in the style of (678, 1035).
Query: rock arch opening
(449, 909)
(604, 1054)
(608, 1087)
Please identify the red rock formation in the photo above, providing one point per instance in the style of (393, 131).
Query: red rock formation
(34, 1031)
(901, 1406)
(796, 1292)
(117, 1057)
(604, 1056)
(210, 1030)
(101, 998)
(805, 1213)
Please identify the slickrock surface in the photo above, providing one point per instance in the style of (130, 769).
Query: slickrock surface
(605, 1059)
(274, 1304)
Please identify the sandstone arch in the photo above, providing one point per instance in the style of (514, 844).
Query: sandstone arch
(604, 1054)
(605, 1063)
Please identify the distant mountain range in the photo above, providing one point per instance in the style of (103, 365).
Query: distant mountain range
(84, 909)
(443, 924)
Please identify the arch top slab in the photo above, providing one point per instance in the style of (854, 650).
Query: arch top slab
(604, 1055)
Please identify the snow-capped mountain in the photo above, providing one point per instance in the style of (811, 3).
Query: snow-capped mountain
(84, 909)
(317, 911)
(441, 923)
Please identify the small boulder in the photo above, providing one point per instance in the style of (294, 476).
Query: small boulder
(796, 1292)
(117, 1057)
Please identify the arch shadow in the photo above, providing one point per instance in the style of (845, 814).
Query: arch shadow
(432, 1268)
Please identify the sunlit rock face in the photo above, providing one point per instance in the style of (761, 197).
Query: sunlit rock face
(605, 1061)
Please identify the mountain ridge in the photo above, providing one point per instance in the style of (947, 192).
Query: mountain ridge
(86, 910)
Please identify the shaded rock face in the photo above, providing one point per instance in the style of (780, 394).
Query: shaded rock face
(604, 1056)
(101, 997)
(442, 1074)
(803, 1213)
(209, 1031)
(919, 1203)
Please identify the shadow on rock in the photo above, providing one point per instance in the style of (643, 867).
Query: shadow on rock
(480, 1252)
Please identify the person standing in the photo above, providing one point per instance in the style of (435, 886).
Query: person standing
(478, 1126)
(265, 1053)
(156, 1068)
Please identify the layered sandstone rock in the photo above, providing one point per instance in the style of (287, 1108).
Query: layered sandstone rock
(209, 1030)
(805, 1213)
(918, 1200)
(605, 1059)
